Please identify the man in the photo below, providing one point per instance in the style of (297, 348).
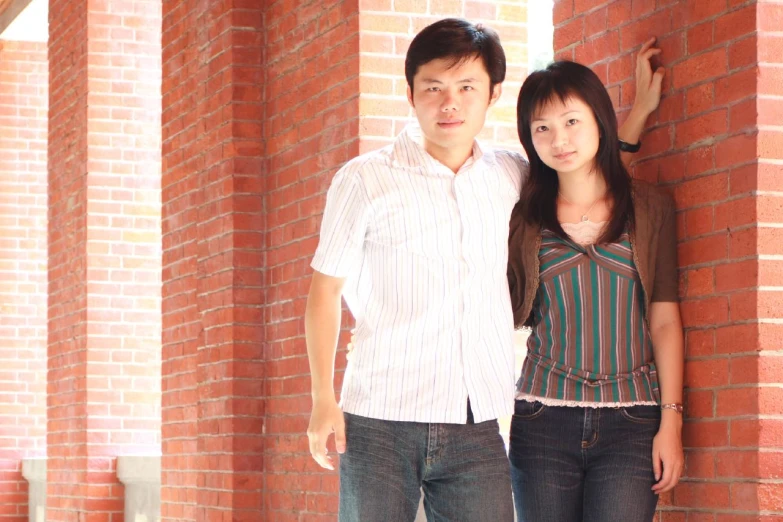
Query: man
(414, 236)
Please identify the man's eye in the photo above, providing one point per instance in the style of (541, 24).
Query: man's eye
(468, 88)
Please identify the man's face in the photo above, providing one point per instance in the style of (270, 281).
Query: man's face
(451, 103)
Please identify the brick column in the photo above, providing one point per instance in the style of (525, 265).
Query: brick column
(23, 101)
(104, 250)
(335, 88)
(312, 115)
(213, 233)
(715, 142)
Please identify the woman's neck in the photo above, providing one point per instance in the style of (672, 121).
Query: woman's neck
(581, 189)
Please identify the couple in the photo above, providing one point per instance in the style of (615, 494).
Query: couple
(416, 238)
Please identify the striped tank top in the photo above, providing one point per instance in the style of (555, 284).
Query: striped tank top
(590, 344)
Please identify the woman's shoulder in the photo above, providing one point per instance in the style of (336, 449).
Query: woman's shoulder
(651, 196)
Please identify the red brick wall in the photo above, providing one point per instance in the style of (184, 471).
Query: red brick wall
(23, 102)
(717, 117)
(325, 95)
(104, 249)
(312, 127)
(67, 319)
(213, 234)
(764, 492)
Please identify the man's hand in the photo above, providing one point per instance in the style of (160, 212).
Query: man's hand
(326, 417)
(648, 83)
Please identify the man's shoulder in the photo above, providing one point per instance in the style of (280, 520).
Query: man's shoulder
(382, 156)
(356, 169)
(514, 164)
(504, 154)
(510, 159)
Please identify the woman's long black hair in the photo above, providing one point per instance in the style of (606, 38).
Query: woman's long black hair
(562, 80)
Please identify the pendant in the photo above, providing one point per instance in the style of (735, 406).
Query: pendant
(585, 218)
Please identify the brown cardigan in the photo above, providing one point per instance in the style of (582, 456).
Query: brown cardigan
(653, 242)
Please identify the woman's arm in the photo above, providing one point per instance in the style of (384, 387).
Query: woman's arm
(668, 348)
(648, 95)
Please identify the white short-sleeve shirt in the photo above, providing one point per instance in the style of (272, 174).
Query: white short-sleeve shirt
(424, 254)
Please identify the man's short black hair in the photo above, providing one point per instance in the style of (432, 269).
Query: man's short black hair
(457, 40)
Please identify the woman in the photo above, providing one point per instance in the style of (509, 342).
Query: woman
(596, 433)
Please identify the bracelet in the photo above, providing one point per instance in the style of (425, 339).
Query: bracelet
(676, 406)
(628, 147)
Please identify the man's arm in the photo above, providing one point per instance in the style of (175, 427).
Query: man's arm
(322, 329)
(648, 95)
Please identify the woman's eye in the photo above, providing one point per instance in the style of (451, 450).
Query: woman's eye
(542, 128)
(572, 121)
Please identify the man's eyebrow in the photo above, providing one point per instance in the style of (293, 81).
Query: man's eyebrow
(433, 80)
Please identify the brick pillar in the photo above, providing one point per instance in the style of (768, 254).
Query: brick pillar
(104, 250)
(335, 88)
(23, 101)
(312, 127)
(715, 142)
(213, 233)
(753, 276)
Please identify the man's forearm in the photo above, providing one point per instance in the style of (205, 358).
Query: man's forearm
(322, 327)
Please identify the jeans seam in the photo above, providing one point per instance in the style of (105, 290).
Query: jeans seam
(638, 420)
(532, 415)
(596, 430)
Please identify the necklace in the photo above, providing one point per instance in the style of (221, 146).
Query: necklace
(585, 215)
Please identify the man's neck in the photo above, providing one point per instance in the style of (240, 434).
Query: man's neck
(453, 157)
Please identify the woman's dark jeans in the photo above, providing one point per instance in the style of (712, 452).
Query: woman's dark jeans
(571, 464)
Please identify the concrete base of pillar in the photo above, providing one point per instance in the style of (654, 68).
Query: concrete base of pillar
(34, 472)
(141, 477)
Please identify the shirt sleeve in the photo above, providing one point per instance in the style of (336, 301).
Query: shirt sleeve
(344, 224)
(666, 286)
(515, 165)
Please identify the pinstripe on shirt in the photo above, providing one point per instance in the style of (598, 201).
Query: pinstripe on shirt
(424, 253)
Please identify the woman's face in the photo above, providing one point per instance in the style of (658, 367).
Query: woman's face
(566, 136)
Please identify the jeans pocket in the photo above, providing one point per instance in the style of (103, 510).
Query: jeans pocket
(642, 413)
(527, 410)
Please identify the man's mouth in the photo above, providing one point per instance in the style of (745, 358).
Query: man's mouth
(450, 124)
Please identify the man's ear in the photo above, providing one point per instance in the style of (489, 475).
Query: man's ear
(410, 97)
(497, 90)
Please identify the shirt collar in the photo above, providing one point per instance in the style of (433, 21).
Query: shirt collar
(408, 152)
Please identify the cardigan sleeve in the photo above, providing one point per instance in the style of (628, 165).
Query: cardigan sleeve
(516, 269)
(666, 286)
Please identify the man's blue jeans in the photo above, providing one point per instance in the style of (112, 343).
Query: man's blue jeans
(462, 469)
(571, 464)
